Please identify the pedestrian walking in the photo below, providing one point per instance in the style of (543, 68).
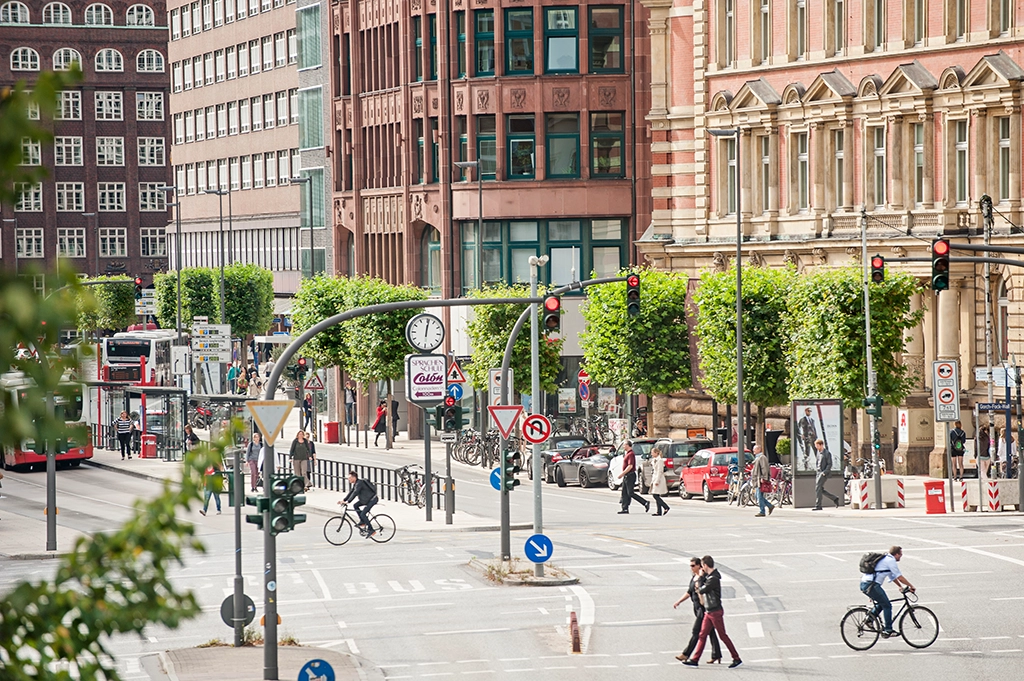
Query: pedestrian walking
(822, 468)
(191, 439)
(659, 486)
(124, 427)
(268, 367)
(957, 447)
(255, 386)
(252, 457)
(212, 488)
(761, 477)
(350, 403)
(233, 372)
(629, 480)
(710, 587)
(312, 460)
(984, 452)
(380, 426)
(307, 411)
(300, 455)
(394, 419)
(694, 596)
(243, 384)
(1002, 459)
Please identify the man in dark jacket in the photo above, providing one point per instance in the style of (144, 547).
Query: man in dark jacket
(710, 588)
(698, 611)
(365, 495)
(822, 469)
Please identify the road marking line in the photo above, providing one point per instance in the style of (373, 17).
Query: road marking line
(833, 558)
(957, 639)
(767, 612)
(465, 631)
(839, 657)
(834, 643)
(415, 605)
(767, 659)
(513, 671)
(804, 658)
(1009, 598)
(352, 647)
(429, 664)
(469, 661)
(993, 638)
(1008, 650)
(537, 598)
(543, 611)
(436, 674)
(600, 666)
(152, 639)
(513, 659)
(633, 654)
(647, 575)
(323, 585)
(398, 677)
(649, 664)
(796, 645)
(480, 671)
(755, 630)
(967, 652)
(342, 625)
(628, 622)
(559, 667)
(936, 542)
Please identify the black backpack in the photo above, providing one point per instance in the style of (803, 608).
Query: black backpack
(869, 561)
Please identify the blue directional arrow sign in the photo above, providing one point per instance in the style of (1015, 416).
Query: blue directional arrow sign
(496, 478)
(316, 670)
(455, 390)
(539, 548)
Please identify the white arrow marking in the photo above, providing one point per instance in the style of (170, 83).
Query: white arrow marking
(541, 553)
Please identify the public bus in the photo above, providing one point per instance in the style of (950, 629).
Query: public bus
(122, 352)
(70, 407)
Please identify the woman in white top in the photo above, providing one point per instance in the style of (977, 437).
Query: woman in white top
(659, 486)
(1001, 457)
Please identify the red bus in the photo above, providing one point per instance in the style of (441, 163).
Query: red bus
(27, 454)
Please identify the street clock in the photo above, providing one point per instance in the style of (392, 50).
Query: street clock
(425, 332)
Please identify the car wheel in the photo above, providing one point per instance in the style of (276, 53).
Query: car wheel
(584, 478)
(683, 493)
(610, 480)
(708, 496)
(529, 472)
(559, 477)
(644, 487)
(549, 476)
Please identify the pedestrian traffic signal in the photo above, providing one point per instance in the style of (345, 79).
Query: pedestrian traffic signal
(940, 265)
(877, 269)
(138, 288)
(553, 314)
(873, 405)
(285, 495)
(509, 470)
(260, 502)
(633, 295)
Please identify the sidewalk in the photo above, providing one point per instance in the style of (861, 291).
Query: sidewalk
(234, 664)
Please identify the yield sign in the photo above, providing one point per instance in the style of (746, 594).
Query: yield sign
(536, 428)
(314, 383)
(505, 417)
(455, 374)
(270, 416)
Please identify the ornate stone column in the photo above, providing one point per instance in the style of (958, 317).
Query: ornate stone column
(914, 419)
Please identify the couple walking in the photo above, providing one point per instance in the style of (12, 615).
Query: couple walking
(659, 486)
(705, 592)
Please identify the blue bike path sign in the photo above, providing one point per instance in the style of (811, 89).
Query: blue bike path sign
(539, 548)
(316, 670)
(496, 478)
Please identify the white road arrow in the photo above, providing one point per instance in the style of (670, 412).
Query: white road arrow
(541, 552)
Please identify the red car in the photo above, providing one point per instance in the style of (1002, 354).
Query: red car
(708, 471)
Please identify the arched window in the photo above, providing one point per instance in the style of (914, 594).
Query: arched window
(57, 13)
(64, 57)
(13, 13)
(140, 15)
(149, 61)
(24, 59)
(431, 262)
(99, 15)
(109, 60)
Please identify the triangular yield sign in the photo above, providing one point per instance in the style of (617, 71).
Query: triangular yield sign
(270, 416)
(455, 374)
(505, 416)
(314, 383)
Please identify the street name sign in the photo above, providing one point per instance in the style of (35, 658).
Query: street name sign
(946, 389)
(425, 379)
(994, 406)
(270, 416)
(146, 305)
(536, 428)
(211, 342)
(504, 416)
(538, 548)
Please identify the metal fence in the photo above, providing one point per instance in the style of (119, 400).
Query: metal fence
(333, 476)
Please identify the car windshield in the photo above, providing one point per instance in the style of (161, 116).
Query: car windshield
(570, 444)
(643, 448)
(689, 448)
(726, 459)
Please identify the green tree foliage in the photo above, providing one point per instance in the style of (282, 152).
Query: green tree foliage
(765, 340)
(317, 299)
(826, 327)
(200, 296)
(248, 298)
(489, 331)
(642, 355)
(112, 305)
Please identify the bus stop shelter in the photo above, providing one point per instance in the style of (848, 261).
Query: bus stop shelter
(162, 414)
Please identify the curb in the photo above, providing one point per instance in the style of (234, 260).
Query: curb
(115, 469)
(53, 555)
(568, 580)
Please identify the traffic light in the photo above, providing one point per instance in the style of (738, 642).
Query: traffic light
(940, 265)
(876, 441)
(138, 288)
(633, 295)
(260, 502)
(873, 405)
(509, 469)
(301, 367)
(553, 314)
(285, 495)
(877, 269)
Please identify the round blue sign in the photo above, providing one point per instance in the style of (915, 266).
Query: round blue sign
(584, 391)
(455, 390)
(316, 670)
(496, 478)
(539, 548)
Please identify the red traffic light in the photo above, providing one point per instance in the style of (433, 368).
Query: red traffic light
(633, 280)
(552, 304)
(302, 362)
(449, 401)
(940, 247)
(138, 281)
(878, 262)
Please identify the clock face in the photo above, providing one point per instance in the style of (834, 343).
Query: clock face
(425, 332)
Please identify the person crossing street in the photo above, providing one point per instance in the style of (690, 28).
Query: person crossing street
(871, 585)
(710, 587)
(629, 481)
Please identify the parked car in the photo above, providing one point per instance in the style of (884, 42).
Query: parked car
(587, 466)
(708, 471)
(555, 448)
(677, 454)
(642, 451)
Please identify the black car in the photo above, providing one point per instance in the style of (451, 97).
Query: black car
(555, 448)
(587, 466)
(677, 454)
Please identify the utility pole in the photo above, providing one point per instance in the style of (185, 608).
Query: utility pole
(987, 221)
(538, 507)
(872, 387)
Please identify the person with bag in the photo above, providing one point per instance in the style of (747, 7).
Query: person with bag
(698, 612)
(252, 457)
(380, 426)
(761, 477)
(659, 486)
(957, 447)
(875, 568)
(212, 473)
(300, 456)
(710, 588)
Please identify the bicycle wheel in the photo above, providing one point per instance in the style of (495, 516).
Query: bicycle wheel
(384, 528)
(919, 627)
(859, 628)
(421, 494)
(337, 530)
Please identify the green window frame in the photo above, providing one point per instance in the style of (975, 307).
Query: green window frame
(487, 146)
(435, 158)
(417, 167)
(431, 254)
(483, 41)
(308, 37)
(607, 144)
(417, 49)
(606, 36)
(463, 150)
(432, 26)
(311, 118)
(316, 177)
(519, 42)
(561, 40)
(522, 146)
(460, 31)
(562, 144)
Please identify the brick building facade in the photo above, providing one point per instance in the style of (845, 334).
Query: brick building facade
(99, 209)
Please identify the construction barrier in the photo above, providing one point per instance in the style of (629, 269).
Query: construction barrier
(994, 495)
(901, 494)
(963, 494)
(862, 492)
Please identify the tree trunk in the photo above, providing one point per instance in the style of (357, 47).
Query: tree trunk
(759, 435)
(855, 455)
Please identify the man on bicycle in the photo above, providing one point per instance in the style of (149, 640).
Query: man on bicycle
(871, 585)
(366, 495)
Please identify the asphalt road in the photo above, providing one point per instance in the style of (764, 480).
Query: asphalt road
(416, 610)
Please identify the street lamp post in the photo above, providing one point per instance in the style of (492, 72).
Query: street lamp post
(735, 133)
(479, 218)
(308, 181)
(177, 250)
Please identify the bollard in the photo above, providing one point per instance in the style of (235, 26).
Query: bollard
(864, 495)
(901, 494)
(574, 634)
(963, 494)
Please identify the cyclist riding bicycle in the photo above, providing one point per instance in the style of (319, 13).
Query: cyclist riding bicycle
(876, 568)
(365, 493)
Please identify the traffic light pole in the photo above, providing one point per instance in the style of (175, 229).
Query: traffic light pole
(269, 570)
(872, 387)
(538, 505)
(426, 464)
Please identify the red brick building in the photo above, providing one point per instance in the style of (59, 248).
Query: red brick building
(100, 207)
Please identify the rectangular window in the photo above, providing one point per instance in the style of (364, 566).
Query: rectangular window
(803, 178)
(231, 57)
(109, 106)
(208, 68)
(728, 40)
(239, 9)
(153, 242)
(197, 18)
(190, 175)
(254, 56)
(962, 166)
(316, 176)
(111, 196)
(268, 112)
(31, 152)
(1004, 158)
(207, 15)
(766, 31)
(606, 39)
(113, 242)
(197, 71)
(918, 164)
(233, 173)
(960, 19)
(296, 163)
(186, 21)
(463, 148)
(246, 163)
(152, 199)
(283, 170)
(483, 39)
(730, 176)
(257, 114)
(561, 38)
(563, 145)
(880, 21)
(270, 161)
(880, 166)
(1005, 16)
(607, 140)
(417, 162)
(801, 28)
(268, 51)
(175, 25)
(190, 127)
(839, 17)
(70, 242)
(487, 146)
(766, 166)
(920, 21)
(179, 129)
(243, 60)
(244, 115)
(151, 151)
(293, 105)
(839, 146)
(232, 118)
(220, 65)
(110, 151)
(149, 106)
(282, 108)
(29, 242)
(188, 71)
(417, 48)
(202, 176)
(211, 123)
(521, 146)
(69, 106)
(176, 76)
(254, 7)
(67, 151)
(311, 118)
(460, 31)
(281, 49)
(308, 30)
(218, 12)
(519, 41)
(222, 120)
(432, 25)
(257, 171)
(435, 151)
(70, 197)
